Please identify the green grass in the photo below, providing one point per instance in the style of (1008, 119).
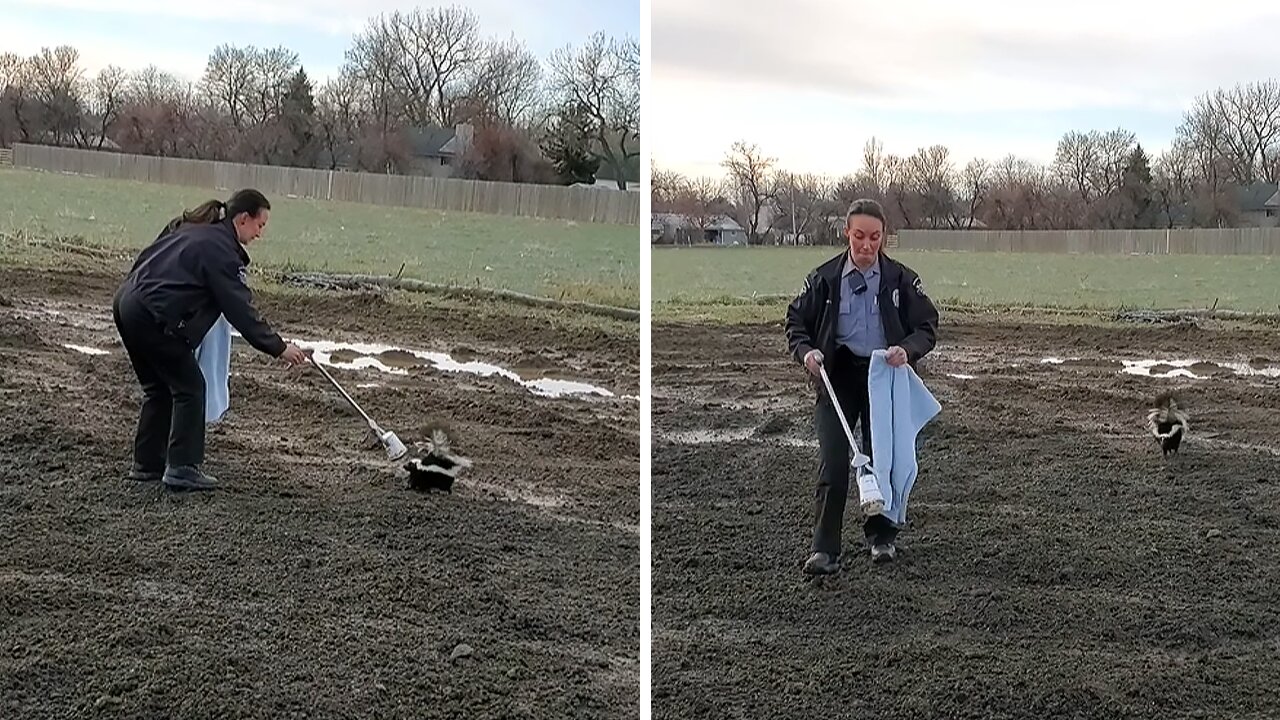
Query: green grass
(556, 258)
(716, 284)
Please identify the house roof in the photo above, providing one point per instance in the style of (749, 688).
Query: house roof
(1257, 196)
(432, 141)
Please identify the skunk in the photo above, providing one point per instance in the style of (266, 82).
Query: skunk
(1168, 423)
(438, 467)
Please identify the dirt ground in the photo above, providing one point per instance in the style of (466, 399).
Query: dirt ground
(1055, 565)
(315, 584)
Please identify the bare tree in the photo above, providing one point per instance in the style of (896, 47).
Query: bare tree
(874, 175)
(975, 184)
(16, 122)
(152, 86)
(506, 83)
(106, 99)
(1018, 195)
(338, 117)
(374, 64)
(665, 187)
(697, 204)
(753, 184)
(1205, 133)
(229, 82)
(450, 36)
(931, 177)
(603, 79)
(1077, 163)
(273, 70)
(803, 202)
(57, 82)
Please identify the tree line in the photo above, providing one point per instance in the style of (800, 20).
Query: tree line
(1227, 145)
(565, 119)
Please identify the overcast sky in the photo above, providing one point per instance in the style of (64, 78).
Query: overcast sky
(178, 36)
(810, 81)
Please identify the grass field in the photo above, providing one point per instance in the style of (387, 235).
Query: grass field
(711, 283)
(597, 263)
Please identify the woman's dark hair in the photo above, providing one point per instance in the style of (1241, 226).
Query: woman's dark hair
(212, 211)
(247, 200)
(866, 206)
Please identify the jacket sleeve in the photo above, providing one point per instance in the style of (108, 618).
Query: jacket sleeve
(802, 317)
(226, 280)
(921, 317)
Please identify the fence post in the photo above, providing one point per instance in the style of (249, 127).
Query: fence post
(329, 193)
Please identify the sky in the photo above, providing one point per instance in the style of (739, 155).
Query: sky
(178, 36)
(809, 81)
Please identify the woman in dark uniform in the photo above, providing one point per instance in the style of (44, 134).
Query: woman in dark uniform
(179, 285)
(856, 303)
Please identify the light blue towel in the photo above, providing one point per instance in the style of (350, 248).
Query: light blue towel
(214, 356)
(900, 408)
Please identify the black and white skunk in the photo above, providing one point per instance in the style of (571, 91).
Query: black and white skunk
(437, 467)
(1168, 423)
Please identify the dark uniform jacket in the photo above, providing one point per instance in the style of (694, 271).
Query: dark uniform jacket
(190, 275)
(812, 316)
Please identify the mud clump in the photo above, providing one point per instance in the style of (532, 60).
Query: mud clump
(774, 425)
(20, 334)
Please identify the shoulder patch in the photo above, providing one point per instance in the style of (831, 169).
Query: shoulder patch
(919, 287)
(244, 275)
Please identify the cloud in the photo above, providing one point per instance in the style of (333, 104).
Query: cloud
(97, 52)
(550, 24)
(982, 54)
(810, 81)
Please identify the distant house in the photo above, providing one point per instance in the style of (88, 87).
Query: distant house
(433, 151)
(437, 151)
(1259, 204)
(673, 228)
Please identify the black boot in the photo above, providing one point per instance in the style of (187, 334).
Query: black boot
(188, 477)
(141, 474)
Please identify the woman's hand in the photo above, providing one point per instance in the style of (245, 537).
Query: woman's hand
(813, 361)
(896, 356)
(293, 355)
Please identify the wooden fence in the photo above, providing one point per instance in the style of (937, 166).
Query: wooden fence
(589, 205)
(1198, 241)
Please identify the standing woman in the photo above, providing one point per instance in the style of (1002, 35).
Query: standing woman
(172, 297)
(856, 303)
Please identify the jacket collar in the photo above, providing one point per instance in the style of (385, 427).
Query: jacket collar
(890, 272)
(228, 230)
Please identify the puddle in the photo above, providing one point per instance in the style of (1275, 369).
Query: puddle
(1195, 369)
(703, 437)
(960, 376)
(398, 361)
(86, 350)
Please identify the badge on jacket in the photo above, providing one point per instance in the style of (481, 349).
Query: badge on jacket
(919, 287)
(244, 276)
(895, 297)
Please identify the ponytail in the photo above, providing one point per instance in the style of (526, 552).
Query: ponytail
(215, 211)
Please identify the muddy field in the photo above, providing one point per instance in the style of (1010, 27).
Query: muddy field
(315, 584)
(1055, 566)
